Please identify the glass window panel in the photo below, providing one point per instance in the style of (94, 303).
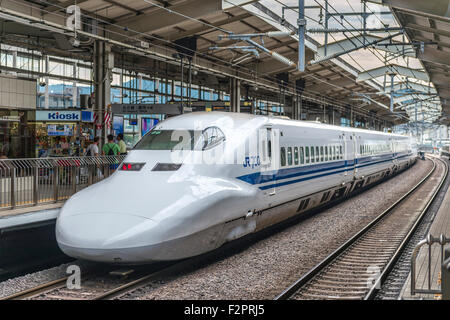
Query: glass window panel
(289, 155)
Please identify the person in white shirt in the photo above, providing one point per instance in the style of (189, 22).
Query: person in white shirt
(92, 150)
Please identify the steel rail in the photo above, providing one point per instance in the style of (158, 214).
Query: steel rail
(21, 295)
(293, 288)
(384, 274)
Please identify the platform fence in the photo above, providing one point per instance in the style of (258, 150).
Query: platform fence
(430, 280)
(31, 182)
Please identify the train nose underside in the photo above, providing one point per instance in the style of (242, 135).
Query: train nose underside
(107, 237)
(140, 224)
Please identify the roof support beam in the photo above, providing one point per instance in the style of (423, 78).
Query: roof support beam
(440, 80)
(434, 56)
(328, 86)
(161, 18)
(414, 26)
(396, 69)
(352, 42)
(412, 86)
(204, 29)
(57, 5)
(123, 6)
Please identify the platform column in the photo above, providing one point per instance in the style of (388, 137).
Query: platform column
(235, 95)
(103, 66)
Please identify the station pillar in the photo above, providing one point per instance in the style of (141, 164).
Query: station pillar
(103, 75)
(235, 95)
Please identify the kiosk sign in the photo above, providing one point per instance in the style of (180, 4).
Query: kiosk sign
(58, 116)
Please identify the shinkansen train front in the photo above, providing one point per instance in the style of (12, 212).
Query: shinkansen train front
(170, 197)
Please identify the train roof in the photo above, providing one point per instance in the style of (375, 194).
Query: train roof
(232, 120)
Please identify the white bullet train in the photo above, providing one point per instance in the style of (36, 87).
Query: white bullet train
(201, 179)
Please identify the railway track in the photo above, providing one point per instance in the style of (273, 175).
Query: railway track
(357, 269)
(98, 284)
(94, 285)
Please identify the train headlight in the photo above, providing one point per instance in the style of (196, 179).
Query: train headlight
(127, 166)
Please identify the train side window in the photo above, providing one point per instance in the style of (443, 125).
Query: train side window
(326, 153)
(283, 156)
(341, 154)
(302, 156)
(317, 154)
(321, 153)
(295, 155)
(289, 156)
(312, 155)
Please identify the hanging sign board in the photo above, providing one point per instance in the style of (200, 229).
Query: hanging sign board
(142, 108)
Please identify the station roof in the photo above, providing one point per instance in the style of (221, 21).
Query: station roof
(428, 22)
(148, 29)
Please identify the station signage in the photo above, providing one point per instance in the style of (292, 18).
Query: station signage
(58, 116)
(10, 118)
(87, 116)
(143, 108)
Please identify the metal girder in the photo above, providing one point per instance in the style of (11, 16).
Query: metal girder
(273, 66)
(440, 8)
(228, 4)
(161, 18)
(434, 56)
(393, 69)
(325, 86)
(444, 93)
(204, 28)
(57, 6)
(412, 85)
(123, 6)
(427, 29)
(352, 42)
(409, 98)
(440, 80)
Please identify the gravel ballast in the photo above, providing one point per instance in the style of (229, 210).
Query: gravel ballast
(267, 267)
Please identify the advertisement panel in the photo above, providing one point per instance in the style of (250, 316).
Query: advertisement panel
(118, 124)
(147, 124)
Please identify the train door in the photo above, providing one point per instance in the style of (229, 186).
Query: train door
(354, 153)
(394, 152)
(269, 167)
(350, 154)
(345, 157)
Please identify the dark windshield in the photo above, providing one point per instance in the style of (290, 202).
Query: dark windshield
(169, 140)
(181, 139)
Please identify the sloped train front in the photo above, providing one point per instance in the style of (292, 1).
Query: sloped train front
(166, 205)
(160, 210)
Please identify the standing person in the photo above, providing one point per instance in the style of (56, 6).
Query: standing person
(92, 150)
(110, 148)
(121, 143)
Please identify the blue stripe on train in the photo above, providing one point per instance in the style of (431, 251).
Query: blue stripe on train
(282, 174)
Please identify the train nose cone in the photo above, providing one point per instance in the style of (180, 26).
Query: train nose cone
(102, 236)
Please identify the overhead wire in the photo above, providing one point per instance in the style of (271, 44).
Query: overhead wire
(170, 42)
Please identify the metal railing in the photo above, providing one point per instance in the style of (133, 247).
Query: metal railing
(28, 182)
(429, 241)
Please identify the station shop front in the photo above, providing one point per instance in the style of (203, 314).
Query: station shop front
(63, 133)
(16, 134)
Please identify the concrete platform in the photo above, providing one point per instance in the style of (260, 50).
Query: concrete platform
(26, 217)
(440, 225)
